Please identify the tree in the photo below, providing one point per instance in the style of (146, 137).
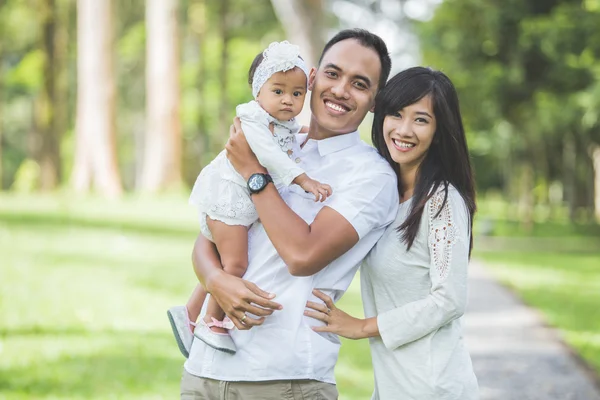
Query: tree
(525, 72)
(162, 156)
(225, 33)
(304, 25)
(48, 150)
(1, 100)
(95, 153)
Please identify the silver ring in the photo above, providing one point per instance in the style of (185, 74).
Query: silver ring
(243, 318)
(328, 311)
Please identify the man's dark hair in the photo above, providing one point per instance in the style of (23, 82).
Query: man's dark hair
(370, 41)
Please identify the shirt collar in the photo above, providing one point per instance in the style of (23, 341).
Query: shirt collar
(336, 143)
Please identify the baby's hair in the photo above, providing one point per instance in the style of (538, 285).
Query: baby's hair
(257, 60)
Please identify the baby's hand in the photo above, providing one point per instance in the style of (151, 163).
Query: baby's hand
(320, 190)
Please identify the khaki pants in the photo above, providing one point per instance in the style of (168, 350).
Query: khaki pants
(196, 388)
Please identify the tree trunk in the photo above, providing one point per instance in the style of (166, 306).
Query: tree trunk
(95, 157)
(195, 146)
(225, 113)
(162, 155)
(48, 154)
(304, 25)
(1, 119)
(596, 160)
(570, 176)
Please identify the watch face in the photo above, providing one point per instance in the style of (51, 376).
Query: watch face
(256, 182)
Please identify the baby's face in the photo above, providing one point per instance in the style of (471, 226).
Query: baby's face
(282, 95)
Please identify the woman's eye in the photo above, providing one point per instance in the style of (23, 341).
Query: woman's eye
(421, 120)
(397, 115)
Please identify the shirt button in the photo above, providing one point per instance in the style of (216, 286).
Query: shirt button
(297, 160)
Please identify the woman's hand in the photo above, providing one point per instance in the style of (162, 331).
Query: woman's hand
(239, 152)
(337, 321)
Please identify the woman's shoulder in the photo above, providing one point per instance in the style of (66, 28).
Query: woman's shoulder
(446, 197)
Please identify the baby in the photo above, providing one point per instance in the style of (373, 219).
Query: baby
(279, 82)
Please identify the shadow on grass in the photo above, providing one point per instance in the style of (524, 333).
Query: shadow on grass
(43, 220)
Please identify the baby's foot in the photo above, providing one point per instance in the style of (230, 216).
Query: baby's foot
(182, 328)
(216, 339)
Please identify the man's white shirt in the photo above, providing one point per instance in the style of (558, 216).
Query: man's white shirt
(365, 192)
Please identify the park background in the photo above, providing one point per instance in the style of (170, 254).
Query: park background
(109, 109)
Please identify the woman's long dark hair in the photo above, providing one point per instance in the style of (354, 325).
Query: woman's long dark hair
(447, 160)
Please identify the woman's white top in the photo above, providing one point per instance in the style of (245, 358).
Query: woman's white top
(221, 193)
(418, 297)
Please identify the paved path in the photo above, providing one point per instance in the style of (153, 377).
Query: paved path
(515, 356)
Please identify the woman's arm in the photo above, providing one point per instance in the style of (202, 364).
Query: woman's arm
(449, 249)
(236, 296)
(448, 245)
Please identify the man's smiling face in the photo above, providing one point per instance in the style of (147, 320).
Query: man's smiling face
(344, 87)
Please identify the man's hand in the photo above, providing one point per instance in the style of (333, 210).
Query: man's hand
(237, 297)
(239, 152)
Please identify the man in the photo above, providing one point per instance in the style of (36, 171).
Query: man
(300, 244)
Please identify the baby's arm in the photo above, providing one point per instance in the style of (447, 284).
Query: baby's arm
(268, 152)
(320, 190)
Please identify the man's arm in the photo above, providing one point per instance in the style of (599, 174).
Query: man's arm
(306, 249)
(236, 296)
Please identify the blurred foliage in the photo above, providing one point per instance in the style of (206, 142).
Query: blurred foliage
(527, 74)
(251, 24)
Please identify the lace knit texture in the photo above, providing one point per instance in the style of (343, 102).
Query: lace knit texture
(442, 233)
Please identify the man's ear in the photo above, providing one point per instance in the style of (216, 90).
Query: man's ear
(311, 78)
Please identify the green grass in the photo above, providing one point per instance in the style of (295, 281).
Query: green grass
(84, 286)
(564, 286)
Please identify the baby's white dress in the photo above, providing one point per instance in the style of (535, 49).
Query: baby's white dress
(221, 193)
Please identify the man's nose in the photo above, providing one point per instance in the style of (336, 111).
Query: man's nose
(339, 90)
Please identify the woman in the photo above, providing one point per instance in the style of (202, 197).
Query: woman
(414, 283)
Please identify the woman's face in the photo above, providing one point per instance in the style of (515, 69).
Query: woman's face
(409, 132)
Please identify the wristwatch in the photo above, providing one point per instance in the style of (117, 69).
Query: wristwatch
(258, 182)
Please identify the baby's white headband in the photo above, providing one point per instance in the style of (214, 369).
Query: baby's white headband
(279, 56)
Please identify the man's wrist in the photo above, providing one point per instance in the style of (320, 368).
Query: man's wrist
(254, 170)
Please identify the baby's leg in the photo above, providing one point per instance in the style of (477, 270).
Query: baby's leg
(194, 304)
(232, 244)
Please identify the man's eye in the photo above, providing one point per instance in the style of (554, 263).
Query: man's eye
(331, 74)
(360, 85)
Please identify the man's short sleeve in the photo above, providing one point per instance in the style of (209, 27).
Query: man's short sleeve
(368, 203)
